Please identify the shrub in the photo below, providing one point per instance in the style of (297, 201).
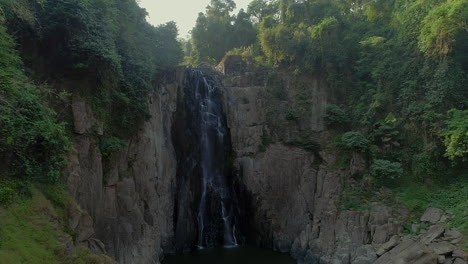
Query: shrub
(385, 129)
(456, 135)
(111, 145)
(306, 144)
(355, 141)
(427, 163)
(335, 115)
(245, 52)
(293, 115)
(384, 169)
(6, 194)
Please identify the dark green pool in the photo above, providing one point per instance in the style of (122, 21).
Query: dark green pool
(237, 255)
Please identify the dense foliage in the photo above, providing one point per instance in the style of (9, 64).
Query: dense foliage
(398, 70)
(355, 141)
(102, 50)
(33, 143)
(386, 169)
(456, 134)
(105, 44)
(217, 31)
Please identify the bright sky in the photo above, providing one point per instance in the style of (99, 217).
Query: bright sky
(183, 12)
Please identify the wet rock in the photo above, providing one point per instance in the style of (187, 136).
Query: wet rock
(299, 247)
(432, 215)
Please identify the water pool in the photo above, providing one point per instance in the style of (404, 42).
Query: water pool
(235, 255)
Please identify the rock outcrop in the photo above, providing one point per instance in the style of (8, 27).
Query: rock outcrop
(294, 193)
(294, 190)
(129, 195)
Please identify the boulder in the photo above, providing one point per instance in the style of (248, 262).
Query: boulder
(415, 228)
(85, 228)
(452, 234)
(448, 261)
(388, 245)
(442, 248)
(458, 253)
(409, 251)
(431, 234)
(96, 246)
(459, 261)
(441, 259)
(432, 215)
(365, 255)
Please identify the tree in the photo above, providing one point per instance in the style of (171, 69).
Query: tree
(442, 26)
(259, 9)
(355, 141)
(456, 135)
(385, 169)
(216, 32)
(243, 32)
(220, 8)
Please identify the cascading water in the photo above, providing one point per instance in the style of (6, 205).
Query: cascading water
(216, 209)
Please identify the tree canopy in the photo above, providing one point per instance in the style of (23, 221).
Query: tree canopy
(398, 66)
(217, 31)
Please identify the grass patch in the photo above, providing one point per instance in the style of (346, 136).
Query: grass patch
(452, 197)
(27, 234)
(32, 230)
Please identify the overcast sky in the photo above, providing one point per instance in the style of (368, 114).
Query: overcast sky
(183, 12)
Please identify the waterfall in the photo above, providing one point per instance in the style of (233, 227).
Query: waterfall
(216, 209)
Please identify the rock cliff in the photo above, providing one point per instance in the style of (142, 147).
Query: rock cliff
(294, 192)
(286, 178)
(294, 186)
(130, 195)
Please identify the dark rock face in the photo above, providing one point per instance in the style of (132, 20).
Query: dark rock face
(293, 192)
(130, 195)
(169, 190)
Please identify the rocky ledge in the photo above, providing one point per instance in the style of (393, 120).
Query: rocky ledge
(435, 242)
